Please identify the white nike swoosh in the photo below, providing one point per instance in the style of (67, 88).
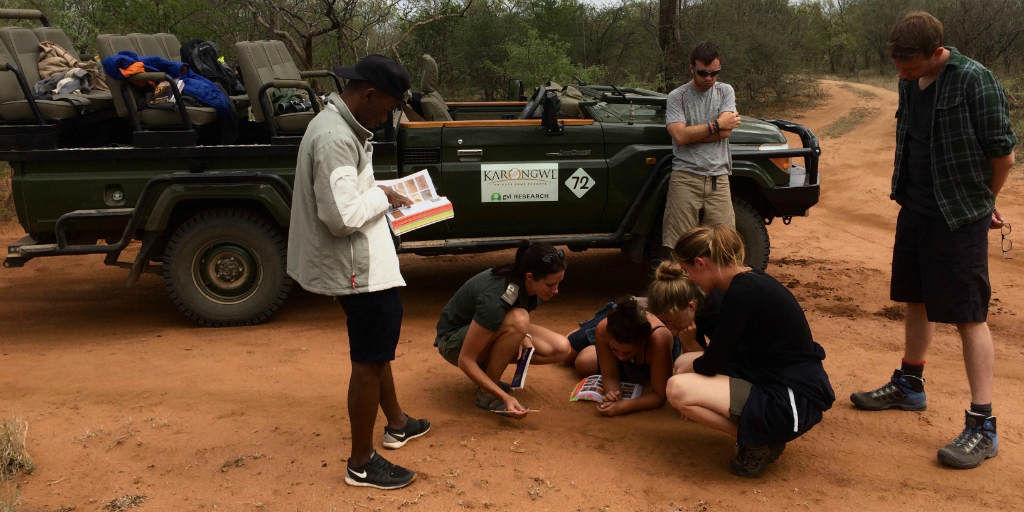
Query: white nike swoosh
(357, 473)
(398, 436)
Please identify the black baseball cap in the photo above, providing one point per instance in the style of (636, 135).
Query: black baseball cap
(385, 73)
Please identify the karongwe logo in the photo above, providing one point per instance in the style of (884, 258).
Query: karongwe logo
(514, 174)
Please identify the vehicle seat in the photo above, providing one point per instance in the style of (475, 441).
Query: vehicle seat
(58, 37)
(570, 106)
(263, 62)
(101, 100)
(170, 45)
(112, 44)
(434, 106)
(20, 47)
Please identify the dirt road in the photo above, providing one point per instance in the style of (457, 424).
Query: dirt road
(124, 396)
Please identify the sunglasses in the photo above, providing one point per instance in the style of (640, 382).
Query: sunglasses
(550, 259)
(1006, 242)
(706, 74)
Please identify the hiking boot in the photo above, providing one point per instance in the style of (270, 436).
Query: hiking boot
(379, 473)
(904, 392)
(395, 438)
(751, 461)
(976, 443)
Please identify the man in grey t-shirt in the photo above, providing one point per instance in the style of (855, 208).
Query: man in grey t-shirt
(700, 116)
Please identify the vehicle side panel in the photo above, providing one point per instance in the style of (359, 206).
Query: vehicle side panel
(579, 147)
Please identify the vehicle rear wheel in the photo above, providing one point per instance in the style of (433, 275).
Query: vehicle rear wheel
(226, 267)
(750, 225)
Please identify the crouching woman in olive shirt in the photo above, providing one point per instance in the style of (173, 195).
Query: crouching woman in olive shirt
(487, 323)
(761, 377)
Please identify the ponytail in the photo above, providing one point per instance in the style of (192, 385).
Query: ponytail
(721, 244)
(536, 258)
(628, 323)
(671, 291)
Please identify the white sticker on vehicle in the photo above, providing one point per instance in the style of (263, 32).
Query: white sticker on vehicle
(580, 182)
(519, 182)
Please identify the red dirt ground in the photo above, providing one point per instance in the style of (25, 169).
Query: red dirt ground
(125, 396)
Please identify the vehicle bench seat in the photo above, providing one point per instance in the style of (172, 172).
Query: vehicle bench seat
(20, 47)
(263, 62)
(112, 44)
(166, 46)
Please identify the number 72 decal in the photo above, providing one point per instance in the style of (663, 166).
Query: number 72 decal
(579, 182)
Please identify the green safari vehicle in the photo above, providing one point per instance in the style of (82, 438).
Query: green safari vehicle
(582, 166)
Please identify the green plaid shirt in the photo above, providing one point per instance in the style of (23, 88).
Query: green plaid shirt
(970, 124)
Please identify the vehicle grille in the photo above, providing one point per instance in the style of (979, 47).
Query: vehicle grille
(421, 156)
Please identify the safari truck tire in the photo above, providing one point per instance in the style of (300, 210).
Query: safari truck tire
(752, 230)
(226, 267)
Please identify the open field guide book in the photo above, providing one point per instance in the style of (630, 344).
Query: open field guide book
(591, 389)
(427, 208)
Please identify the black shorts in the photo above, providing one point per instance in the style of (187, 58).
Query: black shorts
(945, 270)
(374, 325)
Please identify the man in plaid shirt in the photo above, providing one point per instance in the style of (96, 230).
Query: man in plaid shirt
(954, 150)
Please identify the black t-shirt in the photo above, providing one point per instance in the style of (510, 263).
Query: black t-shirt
(480, 299)
(707, 316)
(919, 186)
(760, 325)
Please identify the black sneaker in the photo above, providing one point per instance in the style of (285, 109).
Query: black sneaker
(379, 473)
(395, 438)
(904, 392)
(751, 461)
(977, 442)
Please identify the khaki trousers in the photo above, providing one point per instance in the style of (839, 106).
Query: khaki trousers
(688, 194)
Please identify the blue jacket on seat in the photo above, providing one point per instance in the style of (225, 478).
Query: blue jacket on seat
(202, 89)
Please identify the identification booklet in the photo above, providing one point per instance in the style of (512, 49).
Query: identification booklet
(519, 378)
(592, 390)
(427, 208)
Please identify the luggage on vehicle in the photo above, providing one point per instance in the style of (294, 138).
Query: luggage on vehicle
(203, 58)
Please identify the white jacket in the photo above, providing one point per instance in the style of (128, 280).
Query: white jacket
(339, 242)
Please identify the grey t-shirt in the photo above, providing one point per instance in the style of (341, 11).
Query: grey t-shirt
(689, 105)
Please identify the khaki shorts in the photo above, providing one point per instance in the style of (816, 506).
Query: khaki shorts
(739, 391)
(688, 194)
(450, 346)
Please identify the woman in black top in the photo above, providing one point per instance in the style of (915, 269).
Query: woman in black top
(761, 377)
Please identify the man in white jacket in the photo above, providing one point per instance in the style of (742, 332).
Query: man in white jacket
(339, 244)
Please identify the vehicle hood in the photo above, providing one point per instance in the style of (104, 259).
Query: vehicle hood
(755, 131)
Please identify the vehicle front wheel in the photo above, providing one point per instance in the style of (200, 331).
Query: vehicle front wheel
(226, 267)
(752, 230)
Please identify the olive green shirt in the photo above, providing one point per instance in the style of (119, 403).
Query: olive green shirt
(480, 299)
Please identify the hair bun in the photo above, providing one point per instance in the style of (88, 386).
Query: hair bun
(669, 271)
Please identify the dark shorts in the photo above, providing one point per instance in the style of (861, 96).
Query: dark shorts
(739, 392)
(374, 325)
(945, 270)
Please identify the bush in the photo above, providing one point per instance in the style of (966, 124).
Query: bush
(6, 197)
(13, 457)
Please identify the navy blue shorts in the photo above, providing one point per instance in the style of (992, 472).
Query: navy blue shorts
(374, 325)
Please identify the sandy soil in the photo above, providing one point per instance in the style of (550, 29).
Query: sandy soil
(125, 396)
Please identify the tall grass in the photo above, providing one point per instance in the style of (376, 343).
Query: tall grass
(6, 196)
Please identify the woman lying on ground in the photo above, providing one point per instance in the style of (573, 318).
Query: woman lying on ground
(639, 351)
(623, 342)
(761, 377)
(487, 322)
